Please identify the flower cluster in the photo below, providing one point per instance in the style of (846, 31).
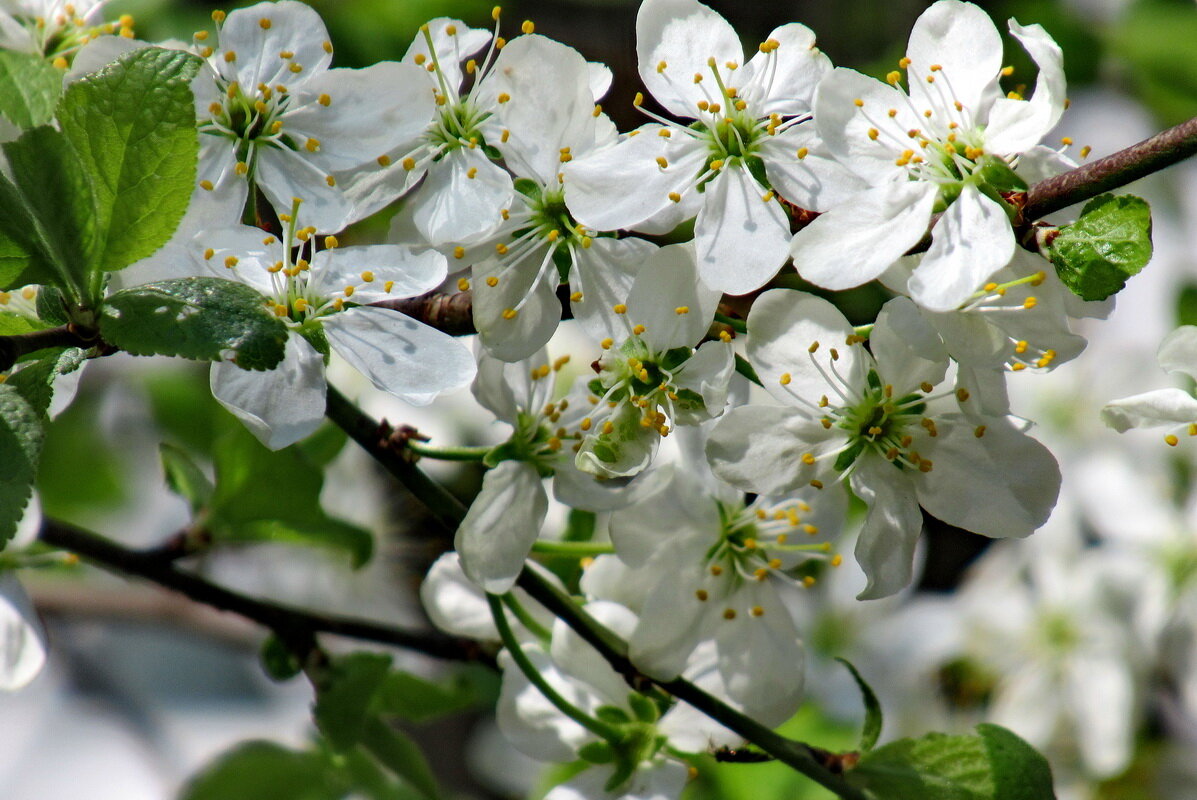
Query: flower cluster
(722, 502)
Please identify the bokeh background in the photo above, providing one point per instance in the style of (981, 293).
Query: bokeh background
(144, 688)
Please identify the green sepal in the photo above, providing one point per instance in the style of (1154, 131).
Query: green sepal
(508, 451)
(848, 455)
(345, 694)
(185, 478)
(597, 753)
(528, 188)
(1108, 244)
(643, 707)
(612, 714)
(997, 174)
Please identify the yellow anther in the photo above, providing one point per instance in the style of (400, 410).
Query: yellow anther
(725, 336)
(276, 267)
(1085, 151)
(785, 379)
(1171, 440)
(230, 262)
(327, 46)
(463, 285)
(835, 354)
(264, 23)
(330, 180)
(206, 185)
(760, 573)
(619, 308)
(1020, 347)
(813, 347)
(311, 145)
(409, 163)
(606, 343)
(717, 164)
(808, 458)
(200, 36)
(893, 77)
(962, 394)
(701, 594)
(528, 26)
(768, 196)
(218, 16)
(503, 97)
(510, 313)
(636, 331)
(874, 133)
(1066, 141)
(675, 197)
(472, 173)
(729, 613)
(608, 427)
(367, 276)
(280, 310)
(1030, 303)
(979, 431)
(836, 560)
(682, 310)
(858, 103)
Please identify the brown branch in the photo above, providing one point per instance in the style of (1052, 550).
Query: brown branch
(451, 313)
(294, 626)
(1114, 171)
(22, 344)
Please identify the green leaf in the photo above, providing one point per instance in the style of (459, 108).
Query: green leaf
(199, 318)
(29, 89)
(21, 438)
(264, 771)
(48, 236)
(11, 324)
(185, 478)
(418, 700)
(345, 695)
(51, 306)
(263, 495)
(398, 753)
(35, 379)
(132, 125)
(994, 764)
(873, 717)
(1110, 242)
(326, 532)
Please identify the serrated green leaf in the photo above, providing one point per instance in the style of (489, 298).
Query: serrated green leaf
(1109, 243)
(29, 89)
(345, 694)
(35, 379)
(416, 699)
(11, 325)
(205, 319)
(185, 478)
(264, 771)
(132, 125)
(51, 306)
(21, 437)
(49, 236)
(873, 717)
(398, 753)
(994, 764)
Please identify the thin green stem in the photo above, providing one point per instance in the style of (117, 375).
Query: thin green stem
(801, 757)
(527, 620)
(446, 453)
(595, 726)
(737, 325)
(745, 369)
(574, 549)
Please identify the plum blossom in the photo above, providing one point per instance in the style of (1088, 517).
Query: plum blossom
(273, 115)
(323, 296)
(56, 29)
(506, 517)
(516, 268)
(875, 422)
(746, 134)
(656, 376)
(949, 143)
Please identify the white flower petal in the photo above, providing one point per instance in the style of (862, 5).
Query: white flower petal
(760, 449)
(817, 181)
(535, 321)
(1101, 692)
(452, 206)
(451, 49)
(396, 272)
(604, 273)
(293, 27)
(1016, 125)
(783, 326)
(501, 525)
(283, 175)
(455, 604)
(963, 42)
(683, 34)
(667, 281)
(846, 127)
(908, 350)
(970, 242)
(529, 721)
(708, 372)
(398, 354)
(885, 549)
(279, 406)
(1159, 408)
(22, 639)
(370, 112)
(761, 658)
(598, 78)
(855, 242)
(1001, 484)
(783, 81)
(741, 239)
(596, 185)
(1178, 351)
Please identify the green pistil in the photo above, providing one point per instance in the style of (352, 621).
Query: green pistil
(458, 126)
